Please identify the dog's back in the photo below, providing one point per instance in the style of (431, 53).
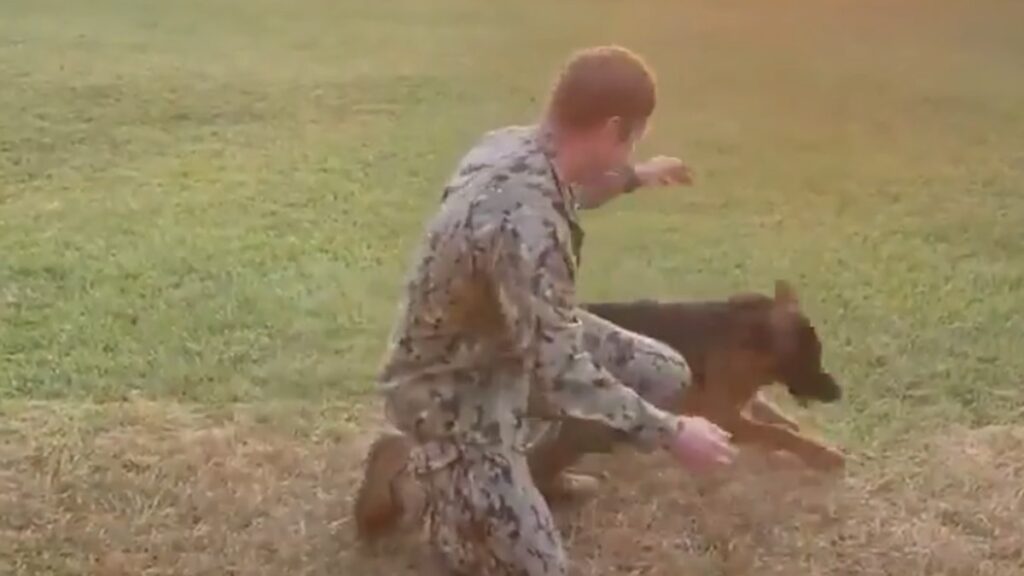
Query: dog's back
(691, 328)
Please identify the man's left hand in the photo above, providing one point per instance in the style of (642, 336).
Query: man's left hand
(663, 171)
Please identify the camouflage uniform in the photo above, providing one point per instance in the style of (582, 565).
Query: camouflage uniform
(489, 346)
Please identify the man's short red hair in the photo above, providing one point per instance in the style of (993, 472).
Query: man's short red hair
(602, 83)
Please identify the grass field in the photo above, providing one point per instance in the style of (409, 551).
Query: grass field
(206, 208)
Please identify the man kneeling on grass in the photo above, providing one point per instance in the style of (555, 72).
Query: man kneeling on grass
(490, 342)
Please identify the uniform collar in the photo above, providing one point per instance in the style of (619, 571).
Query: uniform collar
(544, 137)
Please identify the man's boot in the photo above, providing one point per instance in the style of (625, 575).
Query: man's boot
(569, 487)
(389, 496)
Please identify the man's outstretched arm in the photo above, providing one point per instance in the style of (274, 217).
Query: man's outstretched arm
(658, 171)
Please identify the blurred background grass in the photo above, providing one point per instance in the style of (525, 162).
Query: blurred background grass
(215, 201)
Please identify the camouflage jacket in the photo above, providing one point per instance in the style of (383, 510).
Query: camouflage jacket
(489, 309)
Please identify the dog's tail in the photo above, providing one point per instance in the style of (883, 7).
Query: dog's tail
(384, 496)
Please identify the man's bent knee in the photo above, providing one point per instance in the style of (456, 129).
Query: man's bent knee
(663, 381)
(653, 369)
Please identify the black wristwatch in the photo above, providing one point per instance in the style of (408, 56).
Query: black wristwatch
(631, 180)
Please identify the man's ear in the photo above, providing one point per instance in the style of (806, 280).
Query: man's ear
(785, 293)
(618, 126)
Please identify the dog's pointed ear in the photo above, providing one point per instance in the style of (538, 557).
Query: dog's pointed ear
(785, 293)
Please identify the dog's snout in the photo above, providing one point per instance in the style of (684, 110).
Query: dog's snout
(831, 390)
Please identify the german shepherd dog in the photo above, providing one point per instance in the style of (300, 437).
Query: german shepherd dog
(735, 348)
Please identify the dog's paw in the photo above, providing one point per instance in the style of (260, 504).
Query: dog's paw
(829, 459)
(790, 425)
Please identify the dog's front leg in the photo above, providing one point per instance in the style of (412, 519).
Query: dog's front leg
(814, 454)
(763, 410)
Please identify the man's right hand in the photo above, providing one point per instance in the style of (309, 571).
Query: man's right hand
(663, 171)
(700, 445)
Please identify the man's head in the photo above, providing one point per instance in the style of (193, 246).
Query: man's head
(599, 109)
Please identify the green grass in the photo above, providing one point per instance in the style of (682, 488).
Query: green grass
(215, 201)
(207, 207)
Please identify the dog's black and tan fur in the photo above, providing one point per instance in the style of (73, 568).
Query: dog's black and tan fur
(735, 348)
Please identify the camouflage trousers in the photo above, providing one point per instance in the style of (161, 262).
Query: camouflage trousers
(485, 515)
(653, 369)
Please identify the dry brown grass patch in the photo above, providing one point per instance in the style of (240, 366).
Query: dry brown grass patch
(945, 506)
(158, 489)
